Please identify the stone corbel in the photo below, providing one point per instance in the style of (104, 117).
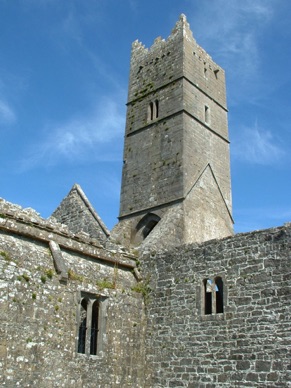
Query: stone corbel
(59, 262)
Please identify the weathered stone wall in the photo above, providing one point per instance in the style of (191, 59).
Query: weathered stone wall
(77, 213)
(39, 308)
(248, 345)
(152, 170)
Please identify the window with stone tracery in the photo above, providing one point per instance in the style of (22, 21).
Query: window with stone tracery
(91, 323)
(212, 296)
(153, 110)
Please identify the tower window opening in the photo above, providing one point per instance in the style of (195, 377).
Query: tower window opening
(156, 109)
(153, 110)
(206, 114)
(150, 111)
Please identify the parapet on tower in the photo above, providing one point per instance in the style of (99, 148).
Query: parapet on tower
(176, 175)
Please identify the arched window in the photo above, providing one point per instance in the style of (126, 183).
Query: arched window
(82, 326)
(144, 228)
(153, 110)
(91, 324)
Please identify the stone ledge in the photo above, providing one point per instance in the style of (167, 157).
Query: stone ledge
(28, 223)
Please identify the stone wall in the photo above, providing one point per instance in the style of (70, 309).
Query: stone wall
(248, 345)
(39, 307)
(77, 213)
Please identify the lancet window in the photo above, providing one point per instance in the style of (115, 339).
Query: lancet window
(91, 324)
(153, 110)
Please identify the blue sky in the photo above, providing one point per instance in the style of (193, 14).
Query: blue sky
(64, 69)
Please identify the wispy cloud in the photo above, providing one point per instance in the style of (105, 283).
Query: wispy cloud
(233, 37)
(7, 114)
(96, 136)
(257, 146)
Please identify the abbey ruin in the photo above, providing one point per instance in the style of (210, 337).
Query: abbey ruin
(170, 297)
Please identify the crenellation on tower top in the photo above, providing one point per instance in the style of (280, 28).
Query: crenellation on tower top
(137, 45)
(182, 27)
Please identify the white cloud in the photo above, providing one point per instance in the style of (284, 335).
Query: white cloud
(7, 114)
(97, 136)
(233, 37)
(257, 146)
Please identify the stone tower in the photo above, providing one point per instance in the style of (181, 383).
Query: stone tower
(176, 175)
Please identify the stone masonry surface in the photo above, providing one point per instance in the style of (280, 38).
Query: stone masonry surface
(248, 345)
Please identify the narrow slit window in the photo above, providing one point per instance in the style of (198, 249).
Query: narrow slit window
(208, 296)
(82, 326)
(94, 328)
(206, 114)
(219, 295)
(151, 111)
(156, 109)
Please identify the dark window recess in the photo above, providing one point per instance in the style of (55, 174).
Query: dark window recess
(149, 227)
(144, 228)
(219, 295)
(82, 326)
(156, 109)
(94, 328)
(208, 296)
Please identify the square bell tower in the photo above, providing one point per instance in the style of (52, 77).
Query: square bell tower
(176, 185)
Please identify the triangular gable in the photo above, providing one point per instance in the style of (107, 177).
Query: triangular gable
(78, 214)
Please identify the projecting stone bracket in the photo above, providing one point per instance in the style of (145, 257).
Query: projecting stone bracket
(59, 262)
